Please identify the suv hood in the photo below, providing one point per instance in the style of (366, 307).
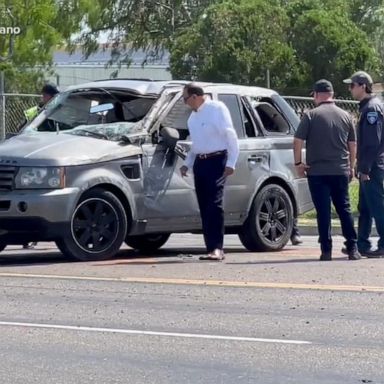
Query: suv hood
(51, 149)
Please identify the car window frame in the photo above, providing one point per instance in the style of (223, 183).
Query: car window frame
(152, 121)
(165, 110)
(255, 118)
(241, 134)
(266, 132)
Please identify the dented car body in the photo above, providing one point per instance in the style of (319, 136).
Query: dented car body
(100, 166)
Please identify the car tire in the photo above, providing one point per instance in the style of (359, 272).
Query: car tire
(147, 243)
(270, 220)
(98, 227)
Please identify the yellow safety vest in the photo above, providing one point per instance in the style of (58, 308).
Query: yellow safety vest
(31, 113)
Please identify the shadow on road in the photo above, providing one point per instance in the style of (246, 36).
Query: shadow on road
(48, 256)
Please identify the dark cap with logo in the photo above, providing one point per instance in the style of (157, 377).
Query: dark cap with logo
(359, 77)
(322, 85)
(49, 89)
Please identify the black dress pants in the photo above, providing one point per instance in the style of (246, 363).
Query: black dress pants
(209, 186)
(325, 189)
(371, 206)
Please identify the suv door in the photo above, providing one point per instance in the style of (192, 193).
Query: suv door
(169, 200)
(253, 163)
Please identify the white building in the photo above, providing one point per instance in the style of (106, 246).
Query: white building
(72, 69)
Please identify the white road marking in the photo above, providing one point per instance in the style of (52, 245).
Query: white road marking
(151, 333)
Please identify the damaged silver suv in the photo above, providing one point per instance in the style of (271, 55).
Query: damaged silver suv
(100, 166)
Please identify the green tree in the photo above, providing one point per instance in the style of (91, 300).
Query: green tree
(330, 45)
(149, 25)
(231, 43)
(26, 57)
(366, 15)
(299, 41)
(369, 16)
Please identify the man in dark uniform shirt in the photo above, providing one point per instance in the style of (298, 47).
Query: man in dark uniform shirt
(330, 154)
(370, 162)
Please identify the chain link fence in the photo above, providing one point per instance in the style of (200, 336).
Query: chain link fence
(12, 107)
(303, 104)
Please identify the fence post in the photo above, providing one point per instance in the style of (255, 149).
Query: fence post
(2, 106)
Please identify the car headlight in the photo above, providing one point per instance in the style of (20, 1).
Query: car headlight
(40, 178)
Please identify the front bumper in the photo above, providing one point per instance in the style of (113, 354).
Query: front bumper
(36, 215)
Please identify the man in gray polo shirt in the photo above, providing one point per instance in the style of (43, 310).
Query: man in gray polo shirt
(330, 158)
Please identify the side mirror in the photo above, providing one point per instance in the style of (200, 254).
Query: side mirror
(170, 136)
(101, 108)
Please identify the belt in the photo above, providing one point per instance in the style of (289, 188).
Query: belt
(212, 154)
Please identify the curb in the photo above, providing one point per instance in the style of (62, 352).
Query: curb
(309, 230)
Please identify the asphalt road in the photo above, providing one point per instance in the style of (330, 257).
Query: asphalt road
(256, 318)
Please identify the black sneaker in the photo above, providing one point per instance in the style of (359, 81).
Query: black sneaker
(296, 240)
(378, 254)
(362, 253)
(354, 254)
(326, 256)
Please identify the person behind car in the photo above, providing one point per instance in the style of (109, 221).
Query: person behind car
(370, 162)
(48, 92)
(213, 156)
(295, 235)
(331, 153)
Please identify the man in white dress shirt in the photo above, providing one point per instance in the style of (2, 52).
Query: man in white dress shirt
(212, 157)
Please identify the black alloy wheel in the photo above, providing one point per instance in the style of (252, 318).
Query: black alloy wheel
(97, 229)
(270, 221)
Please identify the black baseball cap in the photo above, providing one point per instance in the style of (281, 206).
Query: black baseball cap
(50, 89)
(322, 85)
(359, 77)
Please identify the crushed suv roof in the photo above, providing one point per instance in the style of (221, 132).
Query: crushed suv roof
(155, 87)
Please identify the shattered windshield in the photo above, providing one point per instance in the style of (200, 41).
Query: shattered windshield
(91, 108)
(113, 131)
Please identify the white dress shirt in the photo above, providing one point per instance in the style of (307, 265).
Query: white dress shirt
(211, 130)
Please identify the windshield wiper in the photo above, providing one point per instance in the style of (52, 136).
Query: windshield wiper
(92, 133)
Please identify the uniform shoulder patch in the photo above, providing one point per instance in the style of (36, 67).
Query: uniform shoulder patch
(372, 117)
